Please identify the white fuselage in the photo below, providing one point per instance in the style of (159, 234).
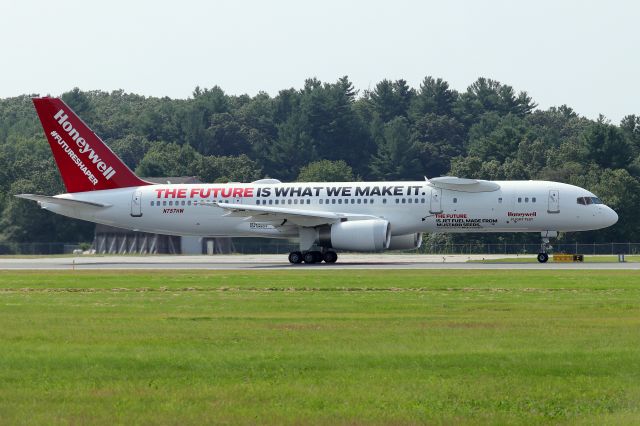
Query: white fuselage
(409, 207)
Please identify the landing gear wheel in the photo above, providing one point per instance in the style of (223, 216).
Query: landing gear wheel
(543, 257)
(295, 257)
(310, 257)
(330, 256)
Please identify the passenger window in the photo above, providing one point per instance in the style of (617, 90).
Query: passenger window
(365, 201)
(409, 200)
(189, 202)
(371, 201)
(320, 201)
(526, 199)
(499, 200)
(340, 201)
(359, 201)
(333, 201)
(422, 200)
(533, 200)
(519, 199)
(308, 201)
(404, 201)
(353, 201)
(151, 204)
(295, 201)
(397, 200)
(271, 202)
(455, 200)
(164, 203)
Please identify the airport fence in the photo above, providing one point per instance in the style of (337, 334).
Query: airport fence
(568, 248)
(39, 248)
(244, 246)
(275, 246)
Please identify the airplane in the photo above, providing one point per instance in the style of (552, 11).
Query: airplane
(324, 216)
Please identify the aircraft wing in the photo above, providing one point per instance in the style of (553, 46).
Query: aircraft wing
(281, 215)
(66, 202)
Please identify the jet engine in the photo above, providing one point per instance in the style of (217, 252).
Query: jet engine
(405, 242)
(356, 235)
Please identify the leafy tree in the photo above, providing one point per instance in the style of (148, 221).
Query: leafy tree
(607, 145)
(131, 149)
(397, 155)
(391, 99)
(326, 171)
(168, 159)
(227, 169)
(437, 138)
(434, 97)
(495, 137)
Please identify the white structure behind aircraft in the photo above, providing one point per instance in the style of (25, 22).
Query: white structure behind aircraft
(355, 216)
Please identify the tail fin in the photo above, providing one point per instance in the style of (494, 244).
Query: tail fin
(85, 162)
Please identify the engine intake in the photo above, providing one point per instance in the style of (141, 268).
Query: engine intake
(356, 235)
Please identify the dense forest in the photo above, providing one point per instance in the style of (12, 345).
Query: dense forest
(329, 131)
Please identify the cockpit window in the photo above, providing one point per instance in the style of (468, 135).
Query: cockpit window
(589, 200)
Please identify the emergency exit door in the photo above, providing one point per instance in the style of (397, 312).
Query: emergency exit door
(435, 205)
(136, 204)
(554, 201)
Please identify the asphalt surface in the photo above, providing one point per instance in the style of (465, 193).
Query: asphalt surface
(279, 262)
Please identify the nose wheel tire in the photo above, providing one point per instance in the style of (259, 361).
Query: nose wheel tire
(330, 256)
(295, 257)
(543, 257)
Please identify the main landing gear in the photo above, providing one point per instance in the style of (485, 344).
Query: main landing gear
(543, 257)
(314, 256)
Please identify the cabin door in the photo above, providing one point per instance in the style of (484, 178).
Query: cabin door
(435, 205)
(554, 201)
(136, 204)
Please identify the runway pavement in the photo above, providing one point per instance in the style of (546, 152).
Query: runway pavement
(279, 262)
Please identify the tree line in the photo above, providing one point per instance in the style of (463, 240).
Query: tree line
(329, 131)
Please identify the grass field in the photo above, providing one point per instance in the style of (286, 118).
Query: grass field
(320, 347)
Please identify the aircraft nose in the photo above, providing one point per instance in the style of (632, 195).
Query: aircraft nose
(611, 216)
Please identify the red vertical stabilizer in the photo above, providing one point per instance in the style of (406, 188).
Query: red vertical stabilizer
(85, 162)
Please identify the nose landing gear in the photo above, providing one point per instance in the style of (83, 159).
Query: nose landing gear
(543, 257)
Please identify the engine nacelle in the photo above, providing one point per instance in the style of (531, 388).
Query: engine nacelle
(356, 235)
(406, 242)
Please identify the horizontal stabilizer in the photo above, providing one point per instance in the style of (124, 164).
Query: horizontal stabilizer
(67, 202)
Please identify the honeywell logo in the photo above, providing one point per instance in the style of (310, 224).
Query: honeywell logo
(83, 146)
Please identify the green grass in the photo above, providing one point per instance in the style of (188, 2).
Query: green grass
(321, 347)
